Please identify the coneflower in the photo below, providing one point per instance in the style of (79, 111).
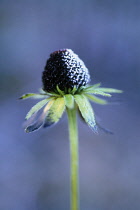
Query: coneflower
(66, 87)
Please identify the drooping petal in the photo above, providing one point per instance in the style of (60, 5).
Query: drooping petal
(30, 121)
(37, 107)
(55, 112)
(69, 101)
(33, 95)
(38, 124)
(96, 99)
(86, 111)
(33, 124)
(97, 92)
(109, 90)
(105, 130)
(92, 87)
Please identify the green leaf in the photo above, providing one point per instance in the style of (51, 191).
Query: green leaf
(69, 101)
(55, 112)
(33, 95)
(86, 111)
(37, 107)
(96, 99)
(109, 90)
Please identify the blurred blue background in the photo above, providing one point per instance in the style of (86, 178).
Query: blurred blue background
(34, 168)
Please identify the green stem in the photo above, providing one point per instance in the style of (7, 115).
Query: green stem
(74, 162)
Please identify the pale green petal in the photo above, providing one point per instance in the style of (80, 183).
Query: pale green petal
(109, 90)
(105, 130)
(92, 87)
(96, 99)
(33, 95)
(55, 112)
(97, 92)
(86, 111)
(47, 93)
(36, 125)
(37, 107)
(69, 101)
(41, 91)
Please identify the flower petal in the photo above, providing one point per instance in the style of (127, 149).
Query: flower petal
(92, 87)
(32, 124)
(97, 92)
(96, 89)
(109, 90)
(86, 111)
(55, 112)
(33, 95)
(96, 99)
(105, 130)
(37, 107)
(38, 124)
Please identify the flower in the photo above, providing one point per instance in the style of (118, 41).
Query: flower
(65, 86)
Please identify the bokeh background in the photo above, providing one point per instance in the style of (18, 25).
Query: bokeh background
(34, 168)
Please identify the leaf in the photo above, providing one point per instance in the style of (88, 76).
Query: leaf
(96, 99)
(55, 112)
(69, 101)
(37, 107)
(109, 90)
(86, 111)
(33, 95)
(32, 124)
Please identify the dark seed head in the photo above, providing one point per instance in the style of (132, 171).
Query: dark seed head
(66, 70)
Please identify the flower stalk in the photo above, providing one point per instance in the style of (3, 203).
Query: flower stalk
(74, 158)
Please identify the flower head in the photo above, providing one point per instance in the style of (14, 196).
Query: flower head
(65, 86)
(66, 70)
